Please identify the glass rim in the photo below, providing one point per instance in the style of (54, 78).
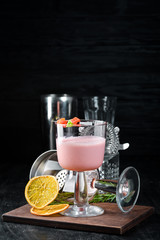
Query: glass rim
(100, 96)
(56, 95)
(101, 123)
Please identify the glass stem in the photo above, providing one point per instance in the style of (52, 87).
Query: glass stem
(81, 193)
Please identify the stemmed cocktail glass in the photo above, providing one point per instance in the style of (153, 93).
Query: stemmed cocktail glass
(81, 148)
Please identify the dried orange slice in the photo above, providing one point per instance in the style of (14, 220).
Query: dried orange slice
(41, 191)
(49, 210)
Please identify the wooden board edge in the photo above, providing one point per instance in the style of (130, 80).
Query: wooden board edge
(6, 217)
(141, 218)
(61, 225)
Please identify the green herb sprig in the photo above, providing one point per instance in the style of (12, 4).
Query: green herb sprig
(104, 197)
(67, 197)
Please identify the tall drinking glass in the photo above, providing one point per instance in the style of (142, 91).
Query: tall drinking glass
(100, 107)
(104, 108)
(81, 148)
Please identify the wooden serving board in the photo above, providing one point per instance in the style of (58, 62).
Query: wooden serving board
(112, 221)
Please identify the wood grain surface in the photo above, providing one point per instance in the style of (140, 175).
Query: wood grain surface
(112, 221)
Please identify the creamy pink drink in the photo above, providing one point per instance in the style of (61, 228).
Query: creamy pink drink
(80, 153)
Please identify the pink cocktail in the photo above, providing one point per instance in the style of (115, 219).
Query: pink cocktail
(81, 153)
(81, 148)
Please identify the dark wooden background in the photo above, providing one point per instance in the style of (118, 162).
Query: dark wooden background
(83, 47)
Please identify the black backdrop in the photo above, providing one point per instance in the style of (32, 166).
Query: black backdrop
(81, 47)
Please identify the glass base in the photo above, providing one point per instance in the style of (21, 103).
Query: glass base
(85, 211)
(127, 190)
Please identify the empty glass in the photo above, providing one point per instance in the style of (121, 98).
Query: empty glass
(104, 108)
(100, 108)
(127, 188)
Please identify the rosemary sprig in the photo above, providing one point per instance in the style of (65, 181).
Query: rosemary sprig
(64, 197)
(111, 184)
(67, 197)
(104, 197)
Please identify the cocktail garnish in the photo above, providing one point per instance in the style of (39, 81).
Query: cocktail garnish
(62, 121)
(69, 123)
(75, 120)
